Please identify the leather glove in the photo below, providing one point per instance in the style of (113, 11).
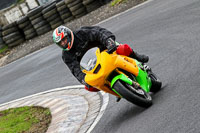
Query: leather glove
(92, 89)
(84, 83)
(111, 45)
(89, 87)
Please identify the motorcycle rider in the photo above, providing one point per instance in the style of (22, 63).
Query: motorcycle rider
(76, 43)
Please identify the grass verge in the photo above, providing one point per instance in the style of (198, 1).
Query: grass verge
(25, 119)
(3, 49)
(117, 2)
(20, 1)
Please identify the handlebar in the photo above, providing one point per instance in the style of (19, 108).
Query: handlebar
(110, 51)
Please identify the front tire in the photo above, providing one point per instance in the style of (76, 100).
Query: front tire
(138, 97)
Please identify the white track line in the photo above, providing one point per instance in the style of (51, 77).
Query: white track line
(101, 112)
(40, 93)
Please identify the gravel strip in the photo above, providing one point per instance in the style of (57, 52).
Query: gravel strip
(91, 18)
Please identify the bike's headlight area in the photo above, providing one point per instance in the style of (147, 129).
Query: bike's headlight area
(90, 64)
(88, 61)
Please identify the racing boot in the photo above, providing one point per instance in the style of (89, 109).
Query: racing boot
(141, 58)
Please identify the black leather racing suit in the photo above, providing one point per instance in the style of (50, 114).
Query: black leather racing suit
(85, 38)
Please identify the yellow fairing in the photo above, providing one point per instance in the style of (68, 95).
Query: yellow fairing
(107, 63)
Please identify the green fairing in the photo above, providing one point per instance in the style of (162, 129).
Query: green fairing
(143, 79)
(121, 77)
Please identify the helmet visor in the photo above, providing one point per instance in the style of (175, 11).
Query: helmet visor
(65, 43)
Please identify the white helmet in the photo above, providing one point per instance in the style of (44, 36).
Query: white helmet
(63, 37)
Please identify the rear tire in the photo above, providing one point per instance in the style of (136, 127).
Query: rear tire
(143, 100)
(156, 83)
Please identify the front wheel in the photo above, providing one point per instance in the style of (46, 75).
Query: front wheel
(136, 96)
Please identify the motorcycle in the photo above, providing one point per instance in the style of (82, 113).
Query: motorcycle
(121, 76)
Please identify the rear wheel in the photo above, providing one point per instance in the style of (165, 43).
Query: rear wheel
(156, 83)
(134, 95)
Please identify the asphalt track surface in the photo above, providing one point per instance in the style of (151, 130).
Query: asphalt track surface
(167, 31)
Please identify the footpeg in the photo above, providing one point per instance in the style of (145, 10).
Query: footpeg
(147, 68)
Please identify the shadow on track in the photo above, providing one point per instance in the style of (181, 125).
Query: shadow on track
(129, 111)
(123, 114)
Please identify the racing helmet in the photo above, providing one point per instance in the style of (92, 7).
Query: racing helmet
(63, 37)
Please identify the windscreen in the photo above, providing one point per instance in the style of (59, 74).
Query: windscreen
(89, 59)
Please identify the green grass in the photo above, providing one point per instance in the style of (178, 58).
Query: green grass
(116, 2)
(20, 1)
(17, 120)
(3, 49)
